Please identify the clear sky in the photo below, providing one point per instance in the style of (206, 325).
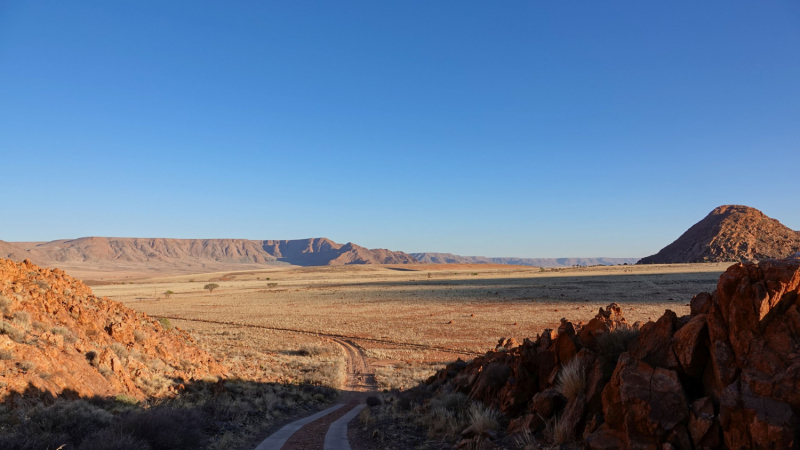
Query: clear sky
(515, 128)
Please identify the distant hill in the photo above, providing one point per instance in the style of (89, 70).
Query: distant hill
(195, 254)
(449, 258)
(730, 233)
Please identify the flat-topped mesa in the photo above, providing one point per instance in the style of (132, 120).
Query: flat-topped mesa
(57, 338)
(730, 233)
(727, 375)
(198, 252)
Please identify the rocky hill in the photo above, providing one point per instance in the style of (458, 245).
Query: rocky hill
(725, 376)
(194, 254)
(56, 337)
(449, 258)
(730, 233)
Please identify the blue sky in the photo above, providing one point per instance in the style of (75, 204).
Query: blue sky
(518, 128)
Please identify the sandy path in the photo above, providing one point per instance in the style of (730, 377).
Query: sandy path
(327, 430)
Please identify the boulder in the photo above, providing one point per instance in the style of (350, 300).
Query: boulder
(700, 303)
(643, 404)
(654, 343)
(690, 346)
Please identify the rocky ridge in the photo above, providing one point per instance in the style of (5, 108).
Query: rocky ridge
(725, 376)
(59, 340)
(193, 255)
(730, 233)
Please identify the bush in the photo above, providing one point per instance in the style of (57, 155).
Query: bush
(164, 428)
(14, 333)
(495, 375)
(120, 350)
(22, 440)
(613, 343)
(126, 399)
(165, 323)
(168, 293)
(5, 305)
(112, 439)
(272, 285)
(6, 355)
(22, 319)
(210, 287)
(558, 431)
(373, 401)
(571, 379)
(75, 419)
(69, 337)
(313, 350)
(447, 414)
(482, 418)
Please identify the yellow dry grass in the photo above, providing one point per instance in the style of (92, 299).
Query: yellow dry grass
(408, 319)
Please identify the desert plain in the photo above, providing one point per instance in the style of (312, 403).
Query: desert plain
(407, 321)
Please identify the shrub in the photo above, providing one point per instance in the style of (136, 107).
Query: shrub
(613, 343)
(112, 439)
(168, 293)
(63, 331)
(5, 305)
(120, 350)
(22, 440)
(571, 379)
(313, 350)
(6, 355)
(43, 284)
(39, 326)
(91, 356)
(482, 418)
(447, 414)
(495, 375)
(272, 285)
(139, 335)
(22, 319)
(165, 323)
(27, 366)
(164, 428)
(558, 431)
(14, 333)
(126, 399)
(75, 419)
(210, 287)
(373, 401)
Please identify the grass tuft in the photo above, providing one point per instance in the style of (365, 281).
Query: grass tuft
(571, 379)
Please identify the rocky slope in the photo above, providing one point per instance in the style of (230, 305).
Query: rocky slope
(449, 258)
(57, 338)
(725, 376)
(195, 254)
(730, 233)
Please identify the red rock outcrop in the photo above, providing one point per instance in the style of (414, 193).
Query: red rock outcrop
(56, 338)
(730, 233)
(726, 376)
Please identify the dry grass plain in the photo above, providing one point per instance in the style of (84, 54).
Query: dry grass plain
(409, 320)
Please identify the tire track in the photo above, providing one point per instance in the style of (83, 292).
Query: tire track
(359, 375)
(330, 335)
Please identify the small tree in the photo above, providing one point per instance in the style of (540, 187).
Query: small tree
(211, 287)
(168, 293)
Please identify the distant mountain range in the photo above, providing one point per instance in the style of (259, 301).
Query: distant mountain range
(730, 233)
(186, 255)
(449, 258)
